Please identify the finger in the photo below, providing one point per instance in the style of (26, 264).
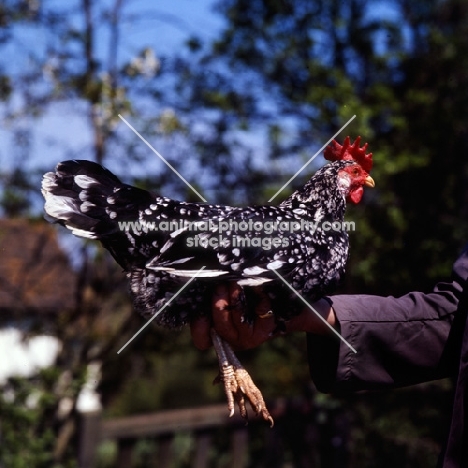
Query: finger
(263, 308)
(220, 300)
(250, 334)
(200, 330)
(222, 318)
(236, 304)
(263, 325)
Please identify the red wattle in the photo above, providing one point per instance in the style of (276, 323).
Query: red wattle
(356, 195)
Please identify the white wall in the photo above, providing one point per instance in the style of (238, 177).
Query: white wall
(23, 358)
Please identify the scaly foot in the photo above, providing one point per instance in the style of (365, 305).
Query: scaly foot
(237, 382)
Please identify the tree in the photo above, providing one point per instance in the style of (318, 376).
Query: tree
(322, 62)
(325, 61)
(69, 67)
(64, 67)
(282, 78)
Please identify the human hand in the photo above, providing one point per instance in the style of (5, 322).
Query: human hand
(227, 314)
(227, 320)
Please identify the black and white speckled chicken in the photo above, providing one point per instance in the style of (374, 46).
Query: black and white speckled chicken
(164, 244)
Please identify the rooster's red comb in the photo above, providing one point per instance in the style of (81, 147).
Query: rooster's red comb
(335, 152)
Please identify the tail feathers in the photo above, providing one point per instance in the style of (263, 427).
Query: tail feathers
(89, 199)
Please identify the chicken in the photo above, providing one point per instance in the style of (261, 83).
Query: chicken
(164, 245)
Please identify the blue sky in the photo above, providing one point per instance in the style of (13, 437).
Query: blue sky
(163, 25)
(177, 18)
(63, 131)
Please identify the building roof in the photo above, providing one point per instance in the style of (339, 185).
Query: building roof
(35, 274)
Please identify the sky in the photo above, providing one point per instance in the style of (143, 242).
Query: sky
(164, 25)
(167, 26)
(63, 131)
(176, 19)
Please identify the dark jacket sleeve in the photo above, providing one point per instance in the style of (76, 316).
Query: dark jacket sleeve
(399, 341)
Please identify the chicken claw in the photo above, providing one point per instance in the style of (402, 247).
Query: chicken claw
(237, 382)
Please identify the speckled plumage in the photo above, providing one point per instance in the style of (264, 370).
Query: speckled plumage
(91, 201)
(251, 246)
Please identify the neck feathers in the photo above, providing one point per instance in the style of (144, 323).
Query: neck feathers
(321, 196)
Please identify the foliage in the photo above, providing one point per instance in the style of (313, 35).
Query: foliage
(325, 62)
(243, 112)
(25, 407)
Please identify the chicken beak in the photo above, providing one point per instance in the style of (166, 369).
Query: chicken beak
(369, 182)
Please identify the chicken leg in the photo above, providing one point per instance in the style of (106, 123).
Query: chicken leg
(237, 382)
